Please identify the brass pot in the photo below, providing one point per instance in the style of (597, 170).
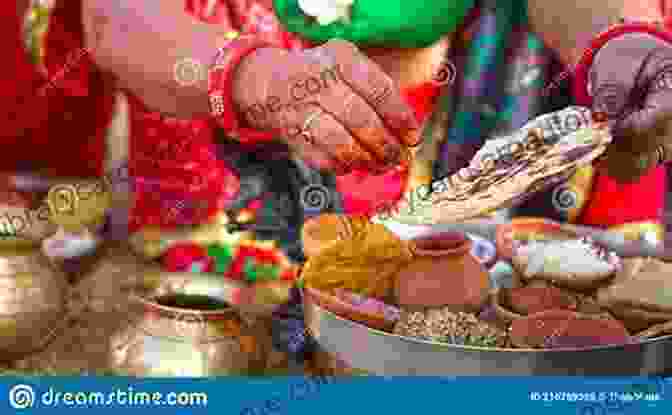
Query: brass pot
(184, 326)
(32, 302)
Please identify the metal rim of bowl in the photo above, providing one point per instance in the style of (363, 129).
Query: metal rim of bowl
(478, 348)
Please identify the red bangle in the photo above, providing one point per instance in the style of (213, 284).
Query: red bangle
(582, 69)
(220, 88)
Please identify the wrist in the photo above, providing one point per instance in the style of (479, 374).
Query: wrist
(221, 84)
(584, 67)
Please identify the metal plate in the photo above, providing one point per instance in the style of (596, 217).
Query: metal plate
(382, 353)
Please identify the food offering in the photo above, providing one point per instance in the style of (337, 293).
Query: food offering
(505, 172)
(437, 290)
(567, 291)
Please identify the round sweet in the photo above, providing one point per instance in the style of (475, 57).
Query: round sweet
(397, 23)
(181, 258)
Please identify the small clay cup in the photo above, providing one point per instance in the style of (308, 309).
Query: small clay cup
(443, 273)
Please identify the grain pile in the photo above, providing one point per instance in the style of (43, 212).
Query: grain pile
(443, 325)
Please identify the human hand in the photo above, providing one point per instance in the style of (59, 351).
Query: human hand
(336, 108)
(631, 82)
(145, 44)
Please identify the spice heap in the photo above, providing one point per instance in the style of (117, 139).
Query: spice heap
(443, 325)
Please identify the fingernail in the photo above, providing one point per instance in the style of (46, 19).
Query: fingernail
(413, 137)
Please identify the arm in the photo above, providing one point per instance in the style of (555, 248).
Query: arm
(569, 26)
(39, 111)
(180, 39)
(621, 69)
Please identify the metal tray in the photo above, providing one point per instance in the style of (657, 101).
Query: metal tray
(381, 353)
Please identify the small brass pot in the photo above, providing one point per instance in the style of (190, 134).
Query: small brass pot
(32, 302)
(184, 326)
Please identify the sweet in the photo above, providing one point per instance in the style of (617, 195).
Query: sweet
(644, 299)
(575, 263)
(527, 229)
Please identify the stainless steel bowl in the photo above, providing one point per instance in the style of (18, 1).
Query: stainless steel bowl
(381, 353)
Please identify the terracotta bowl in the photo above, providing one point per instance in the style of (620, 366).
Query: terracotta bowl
(348, 311)
(526, 228)
(538, 299)
(503, 314)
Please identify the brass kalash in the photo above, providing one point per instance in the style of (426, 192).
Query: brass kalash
(32, 292)
(178, 324)
(187, 325)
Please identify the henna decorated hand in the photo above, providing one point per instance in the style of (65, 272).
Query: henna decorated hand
(159, 52)
(631, 82)
(333, 105)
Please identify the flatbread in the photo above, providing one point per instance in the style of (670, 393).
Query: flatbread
(505, 172)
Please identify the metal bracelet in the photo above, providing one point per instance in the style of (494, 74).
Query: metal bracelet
(661, 155)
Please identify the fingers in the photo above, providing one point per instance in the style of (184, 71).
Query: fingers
(650, 126)
(325, 141)
(377, 89)
(365, 125)
(627, 168)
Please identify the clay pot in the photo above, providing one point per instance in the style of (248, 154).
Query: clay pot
(184, 325)
(32, 302)
(567, 329)
(443, 273)
(342, 308)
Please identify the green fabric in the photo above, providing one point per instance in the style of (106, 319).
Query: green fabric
(250, 270)
(395, 23)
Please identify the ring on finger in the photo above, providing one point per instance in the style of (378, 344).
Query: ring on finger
(312, 117)
(308, 137)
